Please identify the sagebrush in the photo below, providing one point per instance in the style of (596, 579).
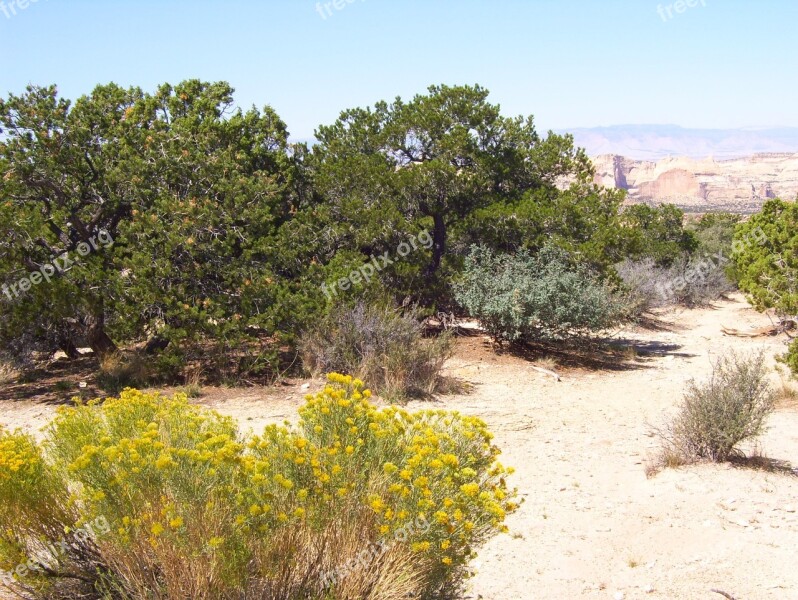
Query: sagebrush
(688, 281)
(524, 297)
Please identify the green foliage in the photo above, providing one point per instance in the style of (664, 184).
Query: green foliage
(192, 194)
(221, 234)
(523, 298)
(714, 234)
(194, 510)
(441, 162)
(657, 232)
(730, 408)
(377, 344)
(582, 220)
(769, 271)
(790, 358)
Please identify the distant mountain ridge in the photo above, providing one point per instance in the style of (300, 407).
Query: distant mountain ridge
(653, 142)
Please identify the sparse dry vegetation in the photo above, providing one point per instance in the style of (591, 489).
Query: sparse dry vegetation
(716, 416)
(120, 370)
(380, 345)
(8, 372)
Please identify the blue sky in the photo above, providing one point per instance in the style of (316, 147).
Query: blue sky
(571, 63)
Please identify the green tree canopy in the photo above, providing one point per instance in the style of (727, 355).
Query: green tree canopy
(191, 191)
(449, 162)
(766, 256)
(657, 232)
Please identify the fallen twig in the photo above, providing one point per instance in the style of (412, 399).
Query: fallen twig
(547, 372)
(724, 594)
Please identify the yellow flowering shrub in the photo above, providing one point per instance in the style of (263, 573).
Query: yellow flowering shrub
(195, 510)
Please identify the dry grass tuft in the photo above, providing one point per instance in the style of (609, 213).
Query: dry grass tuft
(379, 345)
(787, 390)
(122, 370)
(8, 374)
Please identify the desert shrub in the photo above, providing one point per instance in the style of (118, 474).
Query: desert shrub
(698, 281)
(171, 502)
(714, 233)
(643, 284)
(524, 297)
(378, 344)
(767, 262)
(657, 232)
(688, 281)
(717, 415)
(790, 358)
(121, 370)
(8, 372)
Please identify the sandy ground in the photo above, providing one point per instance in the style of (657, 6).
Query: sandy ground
(592, 524)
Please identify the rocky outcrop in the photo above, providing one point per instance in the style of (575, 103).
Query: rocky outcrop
(699, 185)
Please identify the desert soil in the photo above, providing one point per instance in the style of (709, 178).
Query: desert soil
(593, 524)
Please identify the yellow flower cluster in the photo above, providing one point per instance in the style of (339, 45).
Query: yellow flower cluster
(18, 455)
(177, 478)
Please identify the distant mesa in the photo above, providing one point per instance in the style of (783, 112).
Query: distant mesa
(699, 170)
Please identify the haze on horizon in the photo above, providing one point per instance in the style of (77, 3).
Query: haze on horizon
(573, 64)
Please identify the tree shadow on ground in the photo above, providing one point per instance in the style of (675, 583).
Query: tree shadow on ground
(611, 354)
(56, 382)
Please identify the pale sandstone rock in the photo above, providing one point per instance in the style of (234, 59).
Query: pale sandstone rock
(700, 185)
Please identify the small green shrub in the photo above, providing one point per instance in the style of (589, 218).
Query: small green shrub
(718, 415)
(523, 298)
(714, 233)
(354, 502)
(63, 386)
(790, 358)
(380, 345)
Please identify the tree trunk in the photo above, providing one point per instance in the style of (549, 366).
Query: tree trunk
(96, 338)
(155, 345)
(100, 343)
(438, 243)
(69, 348)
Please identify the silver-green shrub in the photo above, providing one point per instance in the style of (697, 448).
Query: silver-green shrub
(542, 297)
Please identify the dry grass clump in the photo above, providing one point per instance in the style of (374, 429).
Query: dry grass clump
(716, 416)
(787, 391)
(379, 345)
(121, 370)
(8, 373)
(689, 281)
